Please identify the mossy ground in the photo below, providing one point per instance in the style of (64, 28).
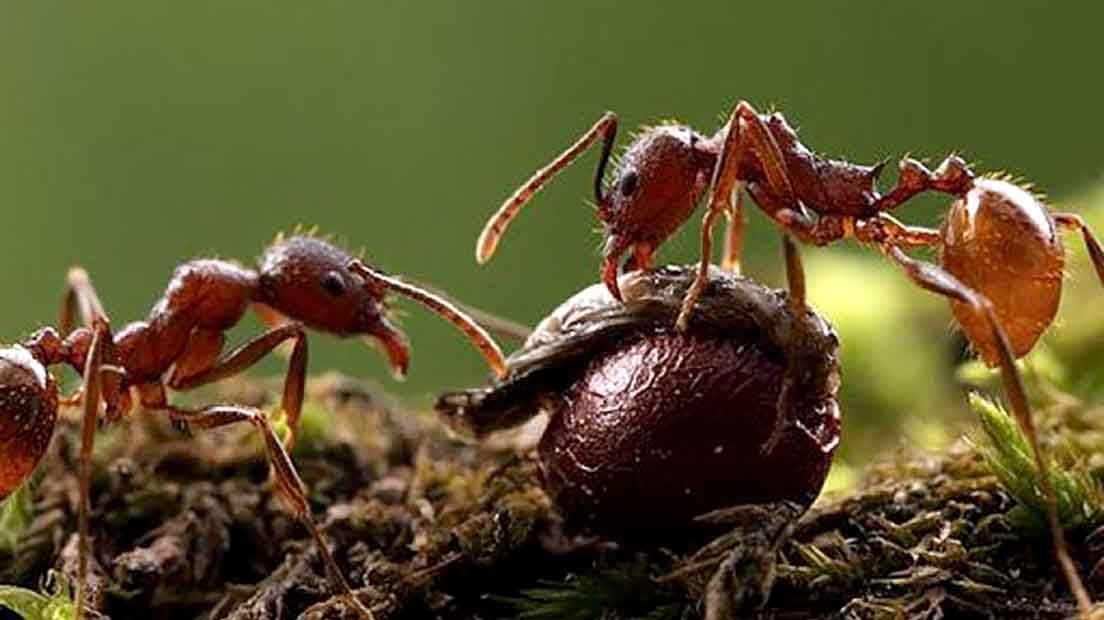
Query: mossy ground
(188, 528)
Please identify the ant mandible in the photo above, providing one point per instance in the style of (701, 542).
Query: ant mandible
(1001, 257)
(301, 282)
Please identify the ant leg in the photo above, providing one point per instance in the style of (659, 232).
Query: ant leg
(605, 128)
(795, 278)
(953, 176)
(734, 234)
(1075, 222)
(249, 354)
(642, 256)
(933, 278)
(101, 337)
(745, 131)
(702, 277)
(795, 275)
(201, 352)
(80, 298)
(288, 483)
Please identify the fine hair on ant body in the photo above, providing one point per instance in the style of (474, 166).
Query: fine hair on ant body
(301, 282)
(1001, 257)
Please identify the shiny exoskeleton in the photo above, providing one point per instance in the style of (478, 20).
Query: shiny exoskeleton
(301, 283)
(1001, 257)
(651, 427)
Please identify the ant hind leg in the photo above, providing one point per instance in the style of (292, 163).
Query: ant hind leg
(934, 278)
(1096, 253)
(288, 483)
(252, 352)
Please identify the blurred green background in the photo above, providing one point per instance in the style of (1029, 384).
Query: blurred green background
(134, 135)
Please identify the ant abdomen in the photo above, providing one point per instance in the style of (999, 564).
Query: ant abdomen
(28, 414)
(1001, 241)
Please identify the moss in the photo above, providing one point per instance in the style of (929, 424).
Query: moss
(428, 527)
(1008, 455)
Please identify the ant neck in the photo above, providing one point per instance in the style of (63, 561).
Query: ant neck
(50, 348)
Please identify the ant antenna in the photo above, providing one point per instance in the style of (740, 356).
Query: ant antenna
(606, 128)
(441, 307)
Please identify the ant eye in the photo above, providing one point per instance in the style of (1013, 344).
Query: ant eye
(628, 184)
(334, 284)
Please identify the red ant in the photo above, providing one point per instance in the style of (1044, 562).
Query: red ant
(1001, 258)
(301, 282)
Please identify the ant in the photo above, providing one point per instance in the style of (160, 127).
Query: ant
(1000, 254)
(301, 282)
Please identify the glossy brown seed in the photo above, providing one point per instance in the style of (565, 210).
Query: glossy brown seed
(651, 427)
(667, 426)
(1002, 242)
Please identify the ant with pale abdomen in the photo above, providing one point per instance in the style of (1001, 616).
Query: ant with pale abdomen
(301, 282)
(1001, 257)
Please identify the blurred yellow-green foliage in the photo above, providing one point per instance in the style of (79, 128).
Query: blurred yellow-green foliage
(136, 134)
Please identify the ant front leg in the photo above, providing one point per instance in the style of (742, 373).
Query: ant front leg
(249, 354)
(1096, 253)
(288, 483)
(935, 279)
(734, 234)
(80, 298)
(92, 384)
(746, 133)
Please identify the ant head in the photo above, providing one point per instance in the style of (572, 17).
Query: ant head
(656, 184)
(1000, 240)
(309, 281)
(28, 415)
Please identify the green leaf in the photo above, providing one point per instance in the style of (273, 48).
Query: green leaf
(16, 513)
(53, 603)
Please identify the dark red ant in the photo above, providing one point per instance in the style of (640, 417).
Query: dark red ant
(1001, 257)
(302, 282)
